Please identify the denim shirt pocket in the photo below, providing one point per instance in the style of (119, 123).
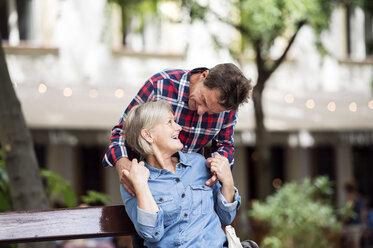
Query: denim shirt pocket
(202, 199)
(169, 207)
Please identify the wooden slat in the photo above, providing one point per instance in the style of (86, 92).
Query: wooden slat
(59, 224)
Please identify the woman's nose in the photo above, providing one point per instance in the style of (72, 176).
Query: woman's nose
(177, 127)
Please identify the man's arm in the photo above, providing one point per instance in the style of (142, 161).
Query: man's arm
(118, 152)
(117, 148)
(223, 142)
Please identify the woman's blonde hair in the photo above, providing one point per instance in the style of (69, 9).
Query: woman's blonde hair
(144, 116)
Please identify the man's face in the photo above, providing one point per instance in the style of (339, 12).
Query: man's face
(203, 99)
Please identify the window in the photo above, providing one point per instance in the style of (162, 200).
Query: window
(369, 33)
(359, 24)
(363, 169)
(21, 8)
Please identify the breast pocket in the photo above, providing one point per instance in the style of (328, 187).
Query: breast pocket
(202, 199)
(169, 207)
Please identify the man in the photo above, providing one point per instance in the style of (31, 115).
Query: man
(204, 102)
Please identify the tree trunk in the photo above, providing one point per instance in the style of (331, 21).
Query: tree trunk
(262, 148)
(25, 183)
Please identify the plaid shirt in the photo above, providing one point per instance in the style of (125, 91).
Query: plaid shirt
(197, 130)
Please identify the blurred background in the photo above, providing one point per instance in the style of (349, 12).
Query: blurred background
(75, 65)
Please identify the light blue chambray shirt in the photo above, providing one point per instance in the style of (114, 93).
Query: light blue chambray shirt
(191, 213)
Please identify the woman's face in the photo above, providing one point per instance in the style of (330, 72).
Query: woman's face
(166, 135)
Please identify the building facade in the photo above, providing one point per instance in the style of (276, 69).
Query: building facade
(75, 70)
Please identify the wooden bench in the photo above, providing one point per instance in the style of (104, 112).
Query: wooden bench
(62, 224)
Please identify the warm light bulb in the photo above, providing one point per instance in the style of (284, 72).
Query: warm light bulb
(119, 93)
(332, 106)
(277, 183)
(370, 104)
(42, 88)
(67, 92)
(353, 107)
(289, 98)
(310, 103)
(93, 93)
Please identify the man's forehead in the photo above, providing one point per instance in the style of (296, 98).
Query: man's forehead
(211, 99)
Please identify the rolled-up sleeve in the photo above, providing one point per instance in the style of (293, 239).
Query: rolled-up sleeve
(148, 225)
(225, 210)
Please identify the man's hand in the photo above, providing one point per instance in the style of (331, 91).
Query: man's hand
(125, 164)
(220, 167)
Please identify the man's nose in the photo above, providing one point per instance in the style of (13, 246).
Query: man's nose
(201, 110)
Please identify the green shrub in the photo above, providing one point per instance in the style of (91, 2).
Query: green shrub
(55, 186)
(299, 215)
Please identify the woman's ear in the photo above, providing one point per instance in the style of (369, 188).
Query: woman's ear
(147, 135)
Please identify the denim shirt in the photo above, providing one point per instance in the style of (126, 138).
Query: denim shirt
(190, 213)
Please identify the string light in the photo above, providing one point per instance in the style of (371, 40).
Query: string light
(370, 104)
(310, 103)
(277, 183)
(331, 106)
(289, 98)
(67, 92)
(353, 107)
(93, 93)
(119, 93)
(42, 88)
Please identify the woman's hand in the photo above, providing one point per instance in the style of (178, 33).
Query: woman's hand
(138, 175)
(220, 167)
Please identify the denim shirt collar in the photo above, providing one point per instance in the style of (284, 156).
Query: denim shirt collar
(154, 172)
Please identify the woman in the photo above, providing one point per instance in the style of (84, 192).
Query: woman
(173, 207)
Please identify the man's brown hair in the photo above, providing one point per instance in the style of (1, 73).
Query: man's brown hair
(234, 87)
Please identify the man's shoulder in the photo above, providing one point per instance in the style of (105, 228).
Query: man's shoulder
(174, 74)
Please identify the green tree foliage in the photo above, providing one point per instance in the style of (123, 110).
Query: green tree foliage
(299, 215)
(258, 25)
(55, 186)
(95, 198)
(5, 200)
(139, 9)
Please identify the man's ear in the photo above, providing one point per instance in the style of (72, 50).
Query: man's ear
(205, 74)
(146, 135)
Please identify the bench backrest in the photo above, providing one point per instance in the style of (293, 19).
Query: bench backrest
(61, 224)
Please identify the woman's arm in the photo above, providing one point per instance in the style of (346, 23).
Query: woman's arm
(142, 209)
(139, 176)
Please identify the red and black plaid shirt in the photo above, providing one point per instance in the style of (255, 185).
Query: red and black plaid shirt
(197, 130)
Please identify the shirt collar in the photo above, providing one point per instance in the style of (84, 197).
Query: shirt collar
(185, 84)
(154, 172)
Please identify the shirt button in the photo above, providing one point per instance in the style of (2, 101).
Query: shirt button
(177, 180)
(182, 195)
(156, 233)
(161, 199)
(185, 215)
(186, 146)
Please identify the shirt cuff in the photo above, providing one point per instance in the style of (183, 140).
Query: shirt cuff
(226, 206)
(146, 218)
